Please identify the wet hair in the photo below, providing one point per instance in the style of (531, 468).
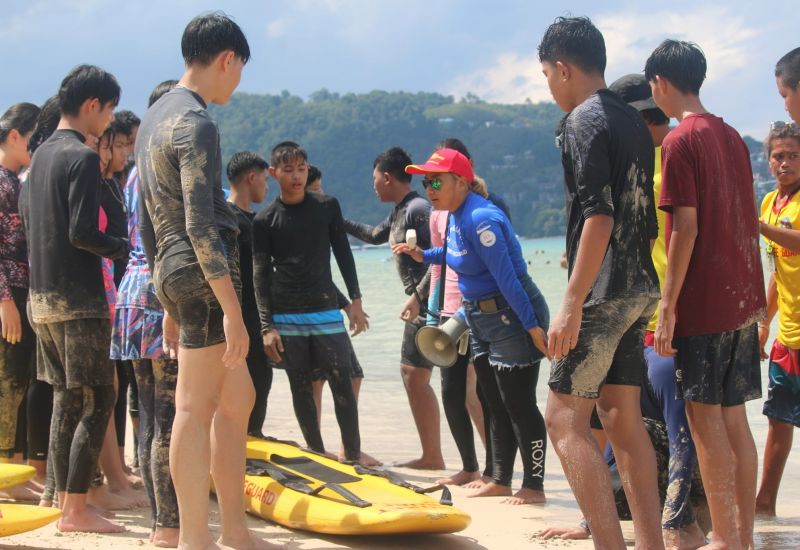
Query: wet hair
(46, 123)
(655, 116)
(788, 69)
(20, 117)
(394, 160)
(86, 82)
(124, 122)
(314, 174)
(243, 162)
(681, 63)
(160, 90)
(577, 41)
(456, 144)
(785, 131)
(285, 152)
(206, 36)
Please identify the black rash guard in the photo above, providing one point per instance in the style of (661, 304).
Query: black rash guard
(292, 257)
(182, 208)
(60, 210)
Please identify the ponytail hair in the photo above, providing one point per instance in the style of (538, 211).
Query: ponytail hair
(46, 123)
(20, 117)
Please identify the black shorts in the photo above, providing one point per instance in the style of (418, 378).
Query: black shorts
(409, 354)
(318, 355)
(187, 296)
(355, 367)
(610, 347)
(74, 353)
(719, 369)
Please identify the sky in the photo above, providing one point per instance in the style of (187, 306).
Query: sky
(448, 46)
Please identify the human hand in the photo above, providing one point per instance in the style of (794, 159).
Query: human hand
(563, 334)
(564, 533)
(410, 309)
(273, 345)
(539, 337)
(237, 341)
(357, 317)
(170, 336)
(403, 248)
(665, 331)
(10, 322)
(763, 336)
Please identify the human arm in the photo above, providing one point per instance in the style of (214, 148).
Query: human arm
(347, 266)
(262, 277)
(378, 234)
(782, 236)
(146, 232)
(772, 309)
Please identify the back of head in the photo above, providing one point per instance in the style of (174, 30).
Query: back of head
(681, 63)
(455, 144)
(160, 90)
(394, 161)
(20, 117)
(314, 173)
(788, 69)
(208, 35)
(86, 82)
(124, 122)
(781, 130)
(577, 41)
(285, 152)
(243, 162)
(46, 123)
(634, 90)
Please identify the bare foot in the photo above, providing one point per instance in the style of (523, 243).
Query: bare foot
(366, 460)
(422, 464)
(492, 489)
(88, 522)
(765, 511)
(526, 496)
(46, 503)
(692, 537)
(461, 478)
(101, 511)
(478, 483)
(25, 492)
(137, 498)
(251, 544)
(102, 497)
(715, 543)
(134, 481)
(564, 533)
(165, 537)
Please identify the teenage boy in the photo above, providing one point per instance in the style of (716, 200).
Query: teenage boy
(411, 211)
(787, 76)
(301, 324)
(780, 220)
(247, 174)
(707, 317)
(189, 236)
(60, 208)
(596, 338)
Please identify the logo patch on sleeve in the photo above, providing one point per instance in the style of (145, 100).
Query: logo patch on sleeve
(488, 238)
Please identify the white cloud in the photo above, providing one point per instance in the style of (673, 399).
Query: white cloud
(277, 27)
(725, 38)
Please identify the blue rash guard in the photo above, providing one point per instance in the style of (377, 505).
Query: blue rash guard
(483, 249)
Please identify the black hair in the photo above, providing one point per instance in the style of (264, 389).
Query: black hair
(160, 90)
(20, 117)
(243, 162)
(784, 131)
(788, 69)
(575, 40)
(124, 122)
(86, 82)
(456, 144)
(394, 160)
(681, 63)
(655, 116)
(286, 151)
(314, 174)
(46, 122)
(208, 35)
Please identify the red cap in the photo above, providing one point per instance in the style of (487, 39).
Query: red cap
(444, 161)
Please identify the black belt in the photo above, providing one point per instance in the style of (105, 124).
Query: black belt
(489, 305)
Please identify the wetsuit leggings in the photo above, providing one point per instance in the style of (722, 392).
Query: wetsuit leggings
(345, 406)
(261, 374)
(79, 423)
(157, 380)
(516, 421)
(454, 392)
(39, 404)
(126, 395)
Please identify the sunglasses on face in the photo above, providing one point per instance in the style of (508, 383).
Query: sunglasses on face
(434, 183)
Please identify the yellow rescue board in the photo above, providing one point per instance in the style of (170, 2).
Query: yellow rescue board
(19, 518)
(391, 509)
(14, 474)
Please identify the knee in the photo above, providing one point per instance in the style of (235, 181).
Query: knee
(556, 424)
(415, 378)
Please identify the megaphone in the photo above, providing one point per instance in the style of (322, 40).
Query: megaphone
(442, 345)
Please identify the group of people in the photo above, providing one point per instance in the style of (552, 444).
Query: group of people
(125, 270)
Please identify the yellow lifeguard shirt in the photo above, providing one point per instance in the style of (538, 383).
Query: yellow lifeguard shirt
(787, 268)
(659, 253)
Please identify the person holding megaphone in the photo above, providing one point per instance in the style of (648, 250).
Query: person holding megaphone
(506, 313)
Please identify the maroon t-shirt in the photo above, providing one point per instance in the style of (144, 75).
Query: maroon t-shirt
(706, 165)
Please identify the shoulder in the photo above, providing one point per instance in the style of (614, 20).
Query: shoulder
(418, 205)
(590, 113)
(268, 212)
(766, 203)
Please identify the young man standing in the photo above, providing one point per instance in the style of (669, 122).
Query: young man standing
(709, 314)
(596, 338)
(787, 76)
(60, 208)
(302, 326)
(189, 236)
(247, 174)
(411, 211)
(780, 218)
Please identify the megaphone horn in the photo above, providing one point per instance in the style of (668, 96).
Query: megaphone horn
(442, 345)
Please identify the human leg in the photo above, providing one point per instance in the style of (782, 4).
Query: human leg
(776, 453)
(261, 374)
(143, 372)
(473, 403)
(40, 410)
(454, 389)
(165, 374)
(316, 390)
(746, 462)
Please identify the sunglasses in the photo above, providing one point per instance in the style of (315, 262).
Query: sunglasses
(780, 125)
(434, 184)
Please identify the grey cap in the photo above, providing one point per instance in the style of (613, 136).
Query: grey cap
(635, 91)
